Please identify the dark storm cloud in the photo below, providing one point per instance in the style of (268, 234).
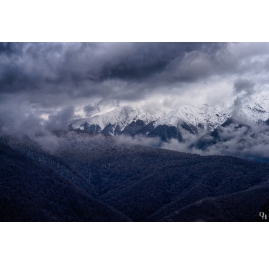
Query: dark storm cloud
(56, 75)
(104, 70)
(91, 108)
(147, 59)
(10, 48)
(244, 85)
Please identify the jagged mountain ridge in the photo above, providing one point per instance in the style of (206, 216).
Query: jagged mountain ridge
(115, 121)
(201, 117)
(121, 116)
(178, 124)
(256, 110)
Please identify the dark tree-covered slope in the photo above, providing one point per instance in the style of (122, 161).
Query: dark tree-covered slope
(30, 191)
(184, 181)
(148, 184)
(237, 207)
(95, 178)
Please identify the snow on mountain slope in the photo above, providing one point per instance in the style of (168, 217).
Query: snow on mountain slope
(256, 110)
(121, 116)
(213, 116)
(205, 117)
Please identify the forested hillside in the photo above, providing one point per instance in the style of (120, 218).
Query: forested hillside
(93, 178)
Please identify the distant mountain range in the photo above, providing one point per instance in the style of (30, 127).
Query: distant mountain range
(180, 124)
(204, 117)
(177, 124)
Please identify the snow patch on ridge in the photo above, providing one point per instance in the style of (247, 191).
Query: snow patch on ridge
(121, 116)
(205, 116)
(256, 111)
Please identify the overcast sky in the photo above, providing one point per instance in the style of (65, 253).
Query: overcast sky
(43, 78)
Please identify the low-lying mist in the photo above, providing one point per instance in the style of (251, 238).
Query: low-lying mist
(238, 139)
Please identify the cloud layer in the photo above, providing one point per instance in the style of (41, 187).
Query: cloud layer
(44, 84)
(52, 73)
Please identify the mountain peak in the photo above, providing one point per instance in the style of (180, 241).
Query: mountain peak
(121, 116)
(208, 117)
(204, 116)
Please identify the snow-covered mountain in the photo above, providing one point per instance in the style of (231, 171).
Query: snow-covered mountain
(255, 110)
(179, 123)
(121, 116)
(204, 117)
(201, 117)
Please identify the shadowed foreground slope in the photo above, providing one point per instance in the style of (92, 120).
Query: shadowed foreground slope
(150, 184)
(32, 192)
(96, 180)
